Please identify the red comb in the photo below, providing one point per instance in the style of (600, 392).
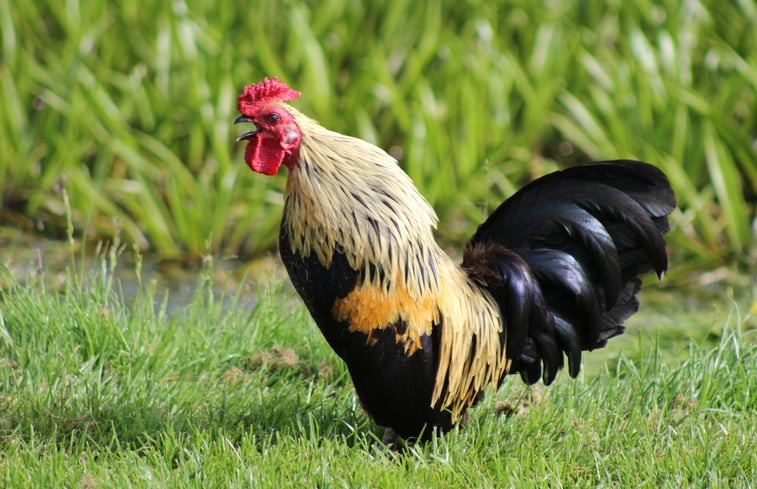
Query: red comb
(264, 93)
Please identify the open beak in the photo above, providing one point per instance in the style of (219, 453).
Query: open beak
(249, 134)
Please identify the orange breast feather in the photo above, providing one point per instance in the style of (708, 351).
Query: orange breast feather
(370, 309)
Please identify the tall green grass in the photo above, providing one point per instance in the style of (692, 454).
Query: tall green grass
(98, 390)
(129, 107)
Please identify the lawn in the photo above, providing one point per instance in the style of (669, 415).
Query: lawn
(102, 390)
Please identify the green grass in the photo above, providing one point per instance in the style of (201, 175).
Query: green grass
(130, 107)
(102, 390)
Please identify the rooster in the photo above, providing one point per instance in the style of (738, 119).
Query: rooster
(554, 271)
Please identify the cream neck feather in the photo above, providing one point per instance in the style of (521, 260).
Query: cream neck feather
(349, 194)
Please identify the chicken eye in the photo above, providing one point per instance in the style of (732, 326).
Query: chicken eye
(273, 117)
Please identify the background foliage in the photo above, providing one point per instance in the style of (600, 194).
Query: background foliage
(129, 108)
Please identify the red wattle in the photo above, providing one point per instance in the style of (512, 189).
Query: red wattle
(264, 155)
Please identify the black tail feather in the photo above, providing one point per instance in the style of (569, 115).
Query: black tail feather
(563, 255)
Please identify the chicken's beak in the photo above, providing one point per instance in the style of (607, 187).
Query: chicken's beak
(249, 134)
